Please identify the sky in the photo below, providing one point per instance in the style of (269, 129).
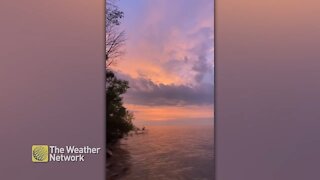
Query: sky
(168, 60)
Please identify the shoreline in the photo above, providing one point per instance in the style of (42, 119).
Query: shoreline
(118, 164)
(118, 158)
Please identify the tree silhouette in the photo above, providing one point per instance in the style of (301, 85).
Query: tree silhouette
(114, 38)
(119, 119)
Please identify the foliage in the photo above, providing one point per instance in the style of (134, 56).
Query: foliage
(119, 119)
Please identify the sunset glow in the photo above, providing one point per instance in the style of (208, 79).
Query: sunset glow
(158, 113)
(168, 59)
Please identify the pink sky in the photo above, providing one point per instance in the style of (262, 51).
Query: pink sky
(168, 59)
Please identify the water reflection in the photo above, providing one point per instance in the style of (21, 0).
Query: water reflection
(119, 164)
(166, 152)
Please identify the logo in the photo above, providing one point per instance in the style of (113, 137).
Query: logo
(40, 153)
(52, 153)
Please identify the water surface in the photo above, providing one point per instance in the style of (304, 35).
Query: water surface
(170, 152)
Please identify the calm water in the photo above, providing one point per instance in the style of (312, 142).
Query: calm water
(170, 152)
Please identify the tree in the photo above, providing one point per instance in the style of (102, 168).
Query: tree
(114, 38)
(119, 119)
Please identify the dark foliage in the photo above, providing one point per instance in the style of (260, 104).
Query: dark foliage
(119, 119)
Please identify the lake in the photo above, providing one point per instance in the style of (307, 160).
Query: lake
(167, 152)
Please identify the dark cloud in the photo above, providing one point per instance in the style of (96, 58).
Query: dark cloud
(145, 92)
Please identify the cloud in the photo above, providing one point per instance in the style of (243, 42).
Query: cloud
(201, 67)
(169, 53)
(167, 44)
(143, 91)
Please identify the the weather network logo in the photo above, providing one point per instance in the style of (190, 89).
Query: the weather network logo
(40, 153)
(52, 153)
